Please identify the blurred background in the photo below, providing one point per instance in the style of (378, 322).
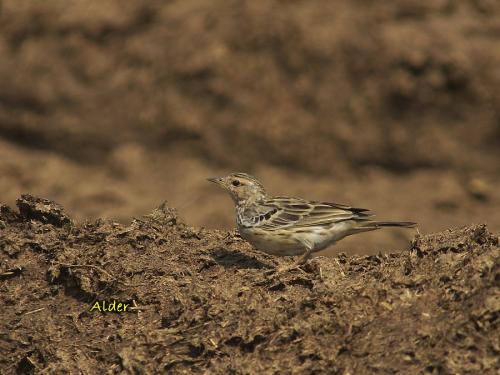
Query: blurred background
(111, 107)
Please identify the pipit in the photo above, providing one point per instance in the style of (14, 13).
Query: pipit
(287, 226)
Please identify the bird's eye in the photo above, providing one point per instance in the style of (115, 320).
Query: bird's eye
(236, 183)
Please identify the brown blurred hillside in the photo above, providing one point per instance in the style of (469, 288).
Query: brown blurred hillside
(111, 107)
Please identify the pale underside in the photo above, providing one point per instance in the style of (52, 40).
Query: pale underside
(290, 226)
(290, 243)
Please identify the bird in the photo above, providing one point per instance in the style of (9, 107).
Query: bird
(289, 226)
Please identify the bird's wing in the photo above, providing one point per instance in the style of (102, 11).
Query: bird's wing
(284, 212)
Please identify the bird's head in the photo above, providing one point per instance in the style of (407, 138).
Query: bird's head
(241, 186)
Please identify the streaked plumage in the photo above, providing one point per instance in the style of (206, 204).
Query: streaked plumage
(288, 226)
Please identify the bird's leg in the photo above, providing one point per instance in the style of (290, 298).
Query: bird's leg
(304, 258)
(301, 261)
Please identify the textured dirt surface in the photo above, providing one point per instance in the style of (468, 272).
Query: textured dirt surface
(202, 301)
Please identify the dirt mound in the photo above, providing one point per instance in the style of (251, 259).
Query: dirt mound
(202, 300)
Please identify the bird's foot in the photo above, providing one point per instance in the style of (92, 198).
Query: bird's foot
(278, 270)
(292, 267)
(302, 265)
(304, 260)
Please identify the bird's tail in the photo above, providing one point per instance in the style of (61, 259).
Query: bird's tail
(369, 225)
(400, 224)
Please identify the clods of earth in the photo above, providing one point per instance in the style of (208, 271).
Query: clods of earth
(203, 301)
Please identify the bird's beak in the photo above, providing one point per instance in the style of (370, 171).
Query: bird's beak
(216, 180)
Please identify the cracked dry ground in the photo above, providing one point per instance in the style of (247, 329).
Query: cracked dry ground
(205, 302)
